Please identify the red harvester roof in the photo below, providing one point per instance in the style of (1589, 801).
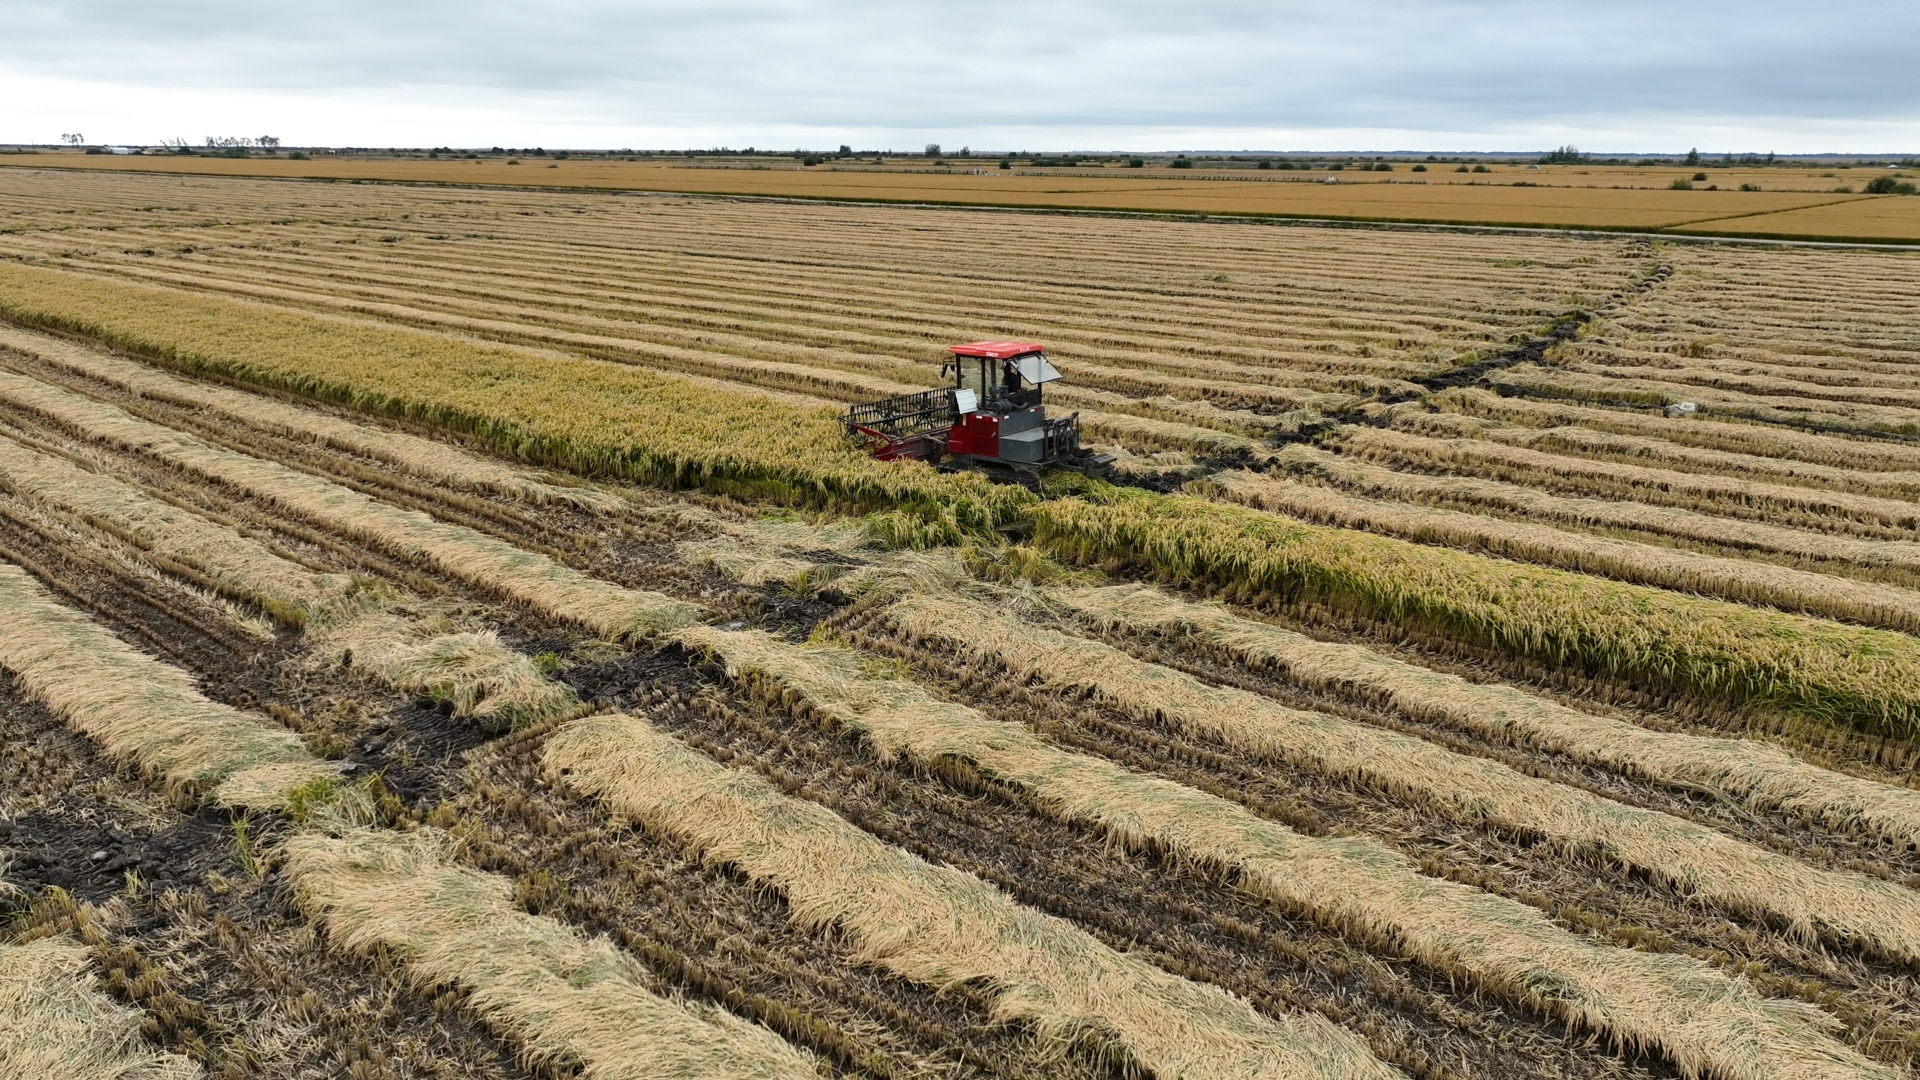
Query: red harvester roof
(997, 350)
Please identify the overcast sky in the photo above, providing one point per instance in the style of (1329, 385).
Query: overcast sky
(1606, 75)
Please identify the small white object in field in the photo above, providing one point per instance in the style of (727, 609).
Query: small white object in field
(1682, 408)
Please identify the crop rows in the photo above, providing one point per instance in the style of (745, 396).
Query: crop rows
(598, 772)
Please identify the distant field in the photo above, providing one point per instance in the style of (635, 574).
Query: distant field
(1793, 203)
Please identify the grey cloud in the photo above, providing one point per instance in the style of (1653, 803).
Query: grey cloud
(1455, 65)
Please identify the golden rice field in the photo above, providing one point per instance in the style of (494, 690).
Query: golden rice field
(1800, 202)
(445, 634)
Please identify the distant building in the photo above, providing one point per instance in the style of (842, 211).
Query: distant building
(121, 150)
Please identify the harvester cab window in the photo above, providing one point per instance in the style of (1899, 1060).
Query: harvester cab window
(973, 376)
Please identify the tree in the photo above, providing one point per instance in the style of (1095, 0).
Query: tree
(75, 139)
(933, 149)
(1565, 155)
(1693, 156)
(268, 141)
(845, 150)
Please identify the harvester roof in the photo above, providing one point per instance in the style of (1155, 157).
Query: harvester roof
(997, 350)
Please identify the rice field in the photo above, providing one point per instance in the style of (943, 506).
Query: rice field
(444, 634)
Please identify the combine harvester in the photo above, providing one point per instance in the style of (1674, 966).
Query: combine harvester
(990, 420)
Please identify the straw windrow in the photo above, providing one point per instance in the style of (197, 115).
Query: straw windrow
(1758, 774)
(941, 927)
(55, 1026)
(535, 579)
(1707, 1023)
(1877, 915)
(142, 710)
(569, 1001)
(399, 640)
(425, 458)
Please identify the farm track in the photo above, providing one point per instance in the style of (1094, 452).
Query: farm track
(1583, 893)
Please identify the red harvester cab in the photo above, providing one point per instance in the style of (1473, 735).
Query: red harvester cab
(991, 419)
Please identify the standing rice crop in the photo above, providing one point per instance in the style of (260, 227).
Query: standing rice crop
(1826, 672)
(425, 458)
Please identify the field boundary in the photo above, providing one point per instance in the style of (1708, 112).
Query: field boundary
(1523, 228)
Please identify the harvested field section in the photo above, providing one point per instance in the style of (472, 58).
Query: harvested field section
(454, 549)
(564, 998)
(1672, 1004)
(937, 926)
(1761, 775)
(1836, 512)
(1895, 561)
(1180, 915)
(1850, 908)
(1702, 432)
(1459, 818)
(722, 937)
(142, 710)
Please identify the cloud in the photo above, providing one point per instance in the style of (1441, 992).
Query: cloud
(1497, 73)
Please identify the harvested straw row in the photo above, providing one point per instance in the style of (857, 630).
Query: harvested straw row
(1758, 774)
(141, 710)
(1878, 916)
(1832, 510)
(583, 415)
(1703, 432)
(1818, 671)
(398, 640)
(1705, 1022)
(567, 1000)
(1903, 484)
(55, 1026)
(423, 457)
(1773, 409)
(1739, 580)
(941, 927)
(454, 549)
(224, 561)
(1533, 504)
